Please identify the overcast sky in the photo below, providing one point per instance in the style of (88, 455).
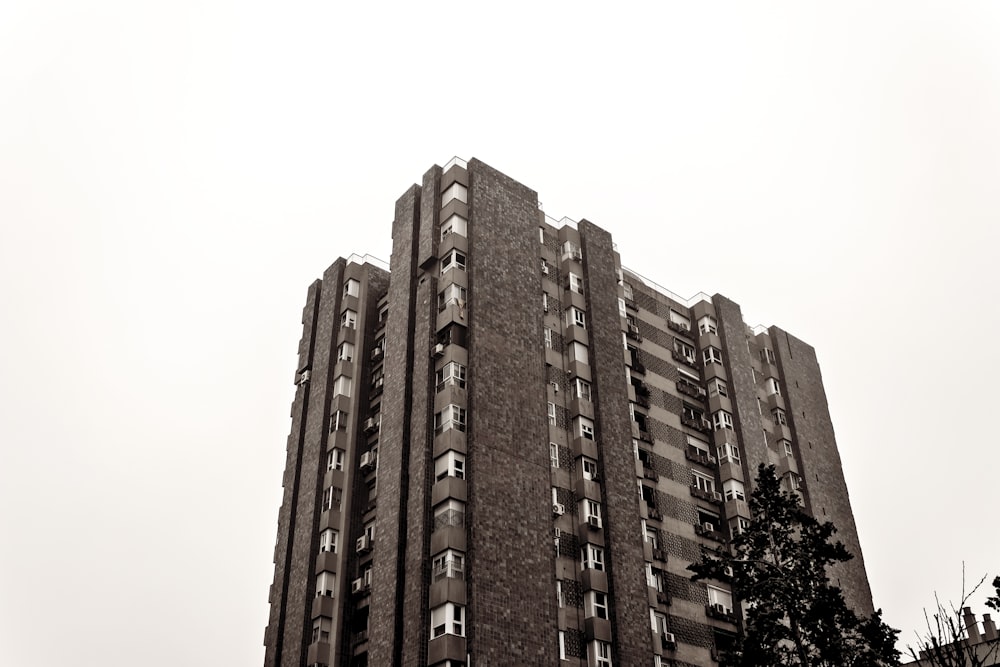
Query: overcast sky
(173, 176)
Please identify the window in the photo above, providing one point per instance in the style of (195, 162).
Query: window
(702, 482)
(335, 459)
(708, 325)
(787, 447)
(448, 619)
(601, 651)
(548, 337)
(551, 411)
(554, 454)
(729, 452)
(766, 355)
(654, 577)
(348, 319)
(591, 508)
(698, 446)
(578, 353)
(779, 416)
(452, 294)
(455, 224)
(321, 629)
(722, 419)
(708, 520)
(449, 464)
(326, 584)
(449, 564)
(627, 291)
(773, 387)
(739, 525)
(650, 535)
(589, 469)
(684, 350)
(452, 417)
(342, 386)
(733, 490)
(449, 513)
(338, 420)
(596, 604)
(691, 413)
(679, 320)
(581, 389)
(571, 250)
(451, 374)
(328, 541)
(576, 317)
(621, 307)
(345, 352)
(332, 497)
(658, 621)
(585, 428)
(720, 596)
(711, 355)
(718, 387)
(575, 283)
(351, 287)
(453, 260)
(592, 557)
(545, 301)
(455, 191)
(562, 644)
(383, 314)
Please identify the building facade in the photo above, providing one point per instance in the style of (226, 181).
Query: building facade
(508, 450)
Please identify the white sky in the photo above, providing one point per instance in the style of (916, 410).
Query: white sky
(174, 175)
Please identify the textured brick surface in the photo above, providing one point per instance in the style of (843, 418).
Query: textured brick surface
(625, 563)
(511, 579)
(817, 448)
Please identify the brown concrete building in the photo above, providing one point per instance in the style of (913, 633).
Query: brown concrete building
(508, 452)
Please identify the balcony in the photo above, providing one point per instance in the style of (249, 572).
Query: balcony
(720, 612)
(684, 359)
(698, 456)
(710, 533)
(689, 389)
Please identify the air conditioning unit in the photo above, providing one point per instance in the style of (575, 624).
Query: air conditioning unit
(728, 571)
(366, 459)
(717, 496)
(371, 424)
(708, 526)
(304, 377)
(578, 254)
(357, 585)
(668, 640)
(376, 353)
(719, 607)
(712, 459)
(545, 269)
(633, 329)
(558, 509)
(379, 382)
(438, 350)
(594, 521)
(362, 545)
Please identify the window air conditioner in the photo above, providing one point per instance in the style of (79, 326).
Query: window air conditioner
(357, 585)
(545, 269)
(668, 639)
(578, 254)
(366, 459)
(371, 424)
(728, 571)
(376, 353)
(594, 521)
(558, 509)
(304, 377)
(362, 544)
(719, 607)
(708, 526)
(439, 350)
(717, 496)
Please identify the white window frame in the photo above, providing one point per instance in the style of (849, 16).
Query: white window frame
(352, 287)
(773, 387)
(342, 386)
(326, 584)
(449, 564)
(328, 540)
(575, 283)
(590, 508)
(779, 417)
(729, 452)
(450, 505)
(702, 446)
(451, 374)
(554, 454)
(547, 333)
(702, 482)
(596, 605)
(589, 467)
(787, 446)
(321, 629)
(718, 387)
(449, 464)
(453, 259)
(576, 317)
(455, 191)
(335, 459)
(711, 355)
(684, 349)
(721, 596)
(708, 325)
(581, 389)
(584, 428)
(600, 652)
(453, 293)
(345, 351)
(451, 417)
(568, 249)
(733, 489)
(658, 621)
(591, 557)
(455, 224)
(562, 643)
(578, 352)
(722, 420)
(448, 619)
(621, 307)
(333, 496)
(550, 411)
(348, 319)
(682, 321)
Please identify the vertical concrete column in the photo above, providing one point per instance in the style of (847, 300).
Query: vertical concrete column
(512, 613)
(274, 635)
(826, 489)
(390, 586)
(625, 561)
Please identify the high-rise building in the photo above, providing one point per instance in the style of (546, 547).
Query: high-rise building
(508, 450)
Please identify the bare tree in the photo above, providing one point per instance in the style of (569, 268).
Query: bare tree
(952, 638)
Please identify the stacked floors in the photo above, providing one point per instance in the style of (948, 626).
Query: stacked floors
(508, 449)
